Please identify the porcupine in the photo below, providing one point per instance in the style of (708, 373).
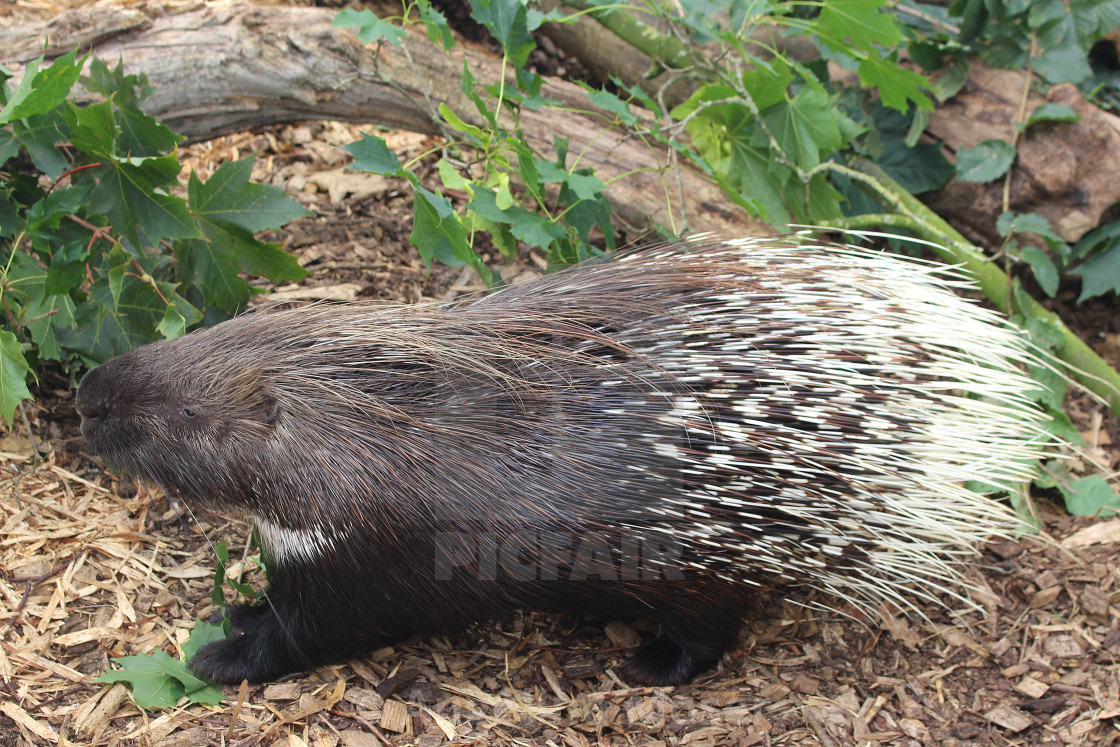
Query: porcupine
(662, 435)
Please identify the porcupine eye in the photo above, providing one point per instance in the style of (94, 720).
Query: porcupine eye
(185, 411)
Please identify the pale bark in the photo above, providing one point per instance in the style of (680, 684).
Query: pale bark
(1068, 172)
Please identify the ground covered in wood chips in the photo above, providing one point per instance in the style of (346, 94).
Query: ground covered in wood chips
(95, 567)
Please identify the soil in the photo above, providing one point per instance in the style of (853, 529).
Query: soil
(93, 566)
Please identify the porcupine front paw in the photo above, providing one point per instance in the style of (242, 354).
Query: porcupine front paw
(257, 652)
(230, 661)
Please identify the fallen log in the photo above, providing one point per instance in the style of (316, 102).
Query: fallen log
(218, 69)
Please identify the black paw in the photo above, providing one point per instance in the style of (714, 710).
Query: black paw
(235, 659)
(662, 662)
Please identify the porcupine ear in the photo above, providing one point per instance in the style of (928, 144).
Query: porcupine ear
(268, 410)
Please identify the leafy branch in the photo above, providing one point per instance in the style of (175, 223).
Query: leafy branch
(100, 253)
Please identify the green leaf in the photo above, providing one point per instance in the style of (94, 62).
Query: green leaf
(9, 146)
(500, 234)
(1005, 51)
(177, 317)
(47, 225)
(508, 22)
(67, 268)
(138, 210)
(370, 28)
(824, 201)
(502, 195)
(897, 85)
(974, 18)
(437, 232)
(988, 161)
(48, 312)
(151, 685)
(201, 634)
(806, 128)
(707, 94)
(1091, 496)
(158, 681)
(42, 91)
(768, 84)
(132, 132)
(261, 258)
(1008, 223)
(921, 168)
(40, 135)
(131, 193)
(585, 214)
(229, 197)
(1100, 239)
(638, 95)
(1063, 64)
(436, 23)
(1051, 386)
(858, 22)
(1044, 270)
(701, 19)
(1062, 59)
(549, 172)
(213, 273)
(534, 19)
(455, 122)
(951, 81)
(373, 155)
(13, 375)
(141, 135)
(127, 91)
(43, 312)
(532, 228)
(122, 314)
(467, 86)
(610, 102)
(1053, 113)
(528, 92)
(1100, 274)
(450, 178)
(1107, 15)
(586, 186)
(725, 135)
(93, 129)
(1044, 11)
(1046, 334)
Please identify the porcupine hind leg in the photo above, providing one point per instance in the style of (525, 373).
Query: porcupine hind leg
(689, 644)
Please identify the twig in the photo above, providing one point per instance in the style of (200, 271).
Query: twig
(29, 586)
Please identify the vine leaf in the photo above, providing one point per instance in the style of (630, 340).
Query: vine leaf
(371, 29)
(858, 22)
(986, 162)
(158, 680)
(13, 375)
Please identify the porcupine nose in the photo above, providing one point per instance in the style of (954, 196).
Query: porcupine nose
(91, 401)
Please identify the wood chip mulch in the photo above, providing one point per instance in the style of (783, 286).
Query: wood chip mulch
(95, 568)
